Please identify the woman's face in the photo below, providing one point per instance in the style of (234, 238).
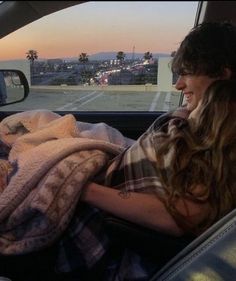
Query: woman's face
(193, 87)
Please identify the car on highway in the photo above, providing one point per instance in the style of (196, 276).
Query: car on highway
(94, 59)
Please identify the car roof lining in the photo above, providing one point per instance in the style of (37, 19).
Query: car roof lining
(32, 11)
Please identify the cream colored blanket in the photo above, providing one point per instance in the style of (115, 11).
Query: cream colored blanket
(51, 165)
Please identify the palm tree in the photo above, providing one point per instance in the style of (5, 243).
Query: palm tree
(147, 56)
(120, 56)
(83, 57)
(32, 55)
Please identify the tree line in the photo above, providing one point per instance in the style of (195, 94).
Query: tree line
(32, 55)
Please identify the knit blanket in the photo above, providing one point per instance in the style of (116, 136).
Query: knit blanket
(51, 165)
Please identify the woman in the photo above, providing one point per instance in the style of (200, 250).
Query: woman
(178, 178)
(182, 171)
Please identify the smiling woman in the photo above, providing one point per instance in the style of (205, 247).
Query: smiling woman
(101, 30)
(109, 63)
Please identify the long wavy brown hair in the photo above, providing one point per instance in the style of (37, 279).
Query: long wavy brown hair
(204, 154)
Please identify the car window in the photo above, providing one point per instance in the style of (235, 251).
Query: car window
(101, 56)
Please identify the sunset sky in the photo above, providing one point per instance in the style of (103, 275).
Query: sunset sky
(104, 26)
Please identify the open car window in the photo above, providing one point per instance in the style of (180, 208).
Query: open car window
(101, 56)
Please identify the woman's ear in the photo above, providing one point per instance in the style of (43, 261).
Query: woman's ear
(227, 73)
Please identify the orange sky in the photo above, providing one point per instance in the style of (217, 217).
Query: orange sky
(98, 27)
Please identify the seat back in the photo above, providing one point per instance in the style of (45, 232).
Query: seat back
(211, 257)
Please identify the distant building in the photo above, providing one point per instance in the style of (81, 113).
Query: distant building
(124, 77)
(55, 64)
(54, 61)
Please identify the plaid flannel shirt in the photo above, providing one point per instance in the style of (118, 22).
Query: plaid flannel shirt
(86, 241)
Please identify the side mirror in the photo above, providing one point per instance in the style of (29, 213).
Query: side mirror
(14, 86)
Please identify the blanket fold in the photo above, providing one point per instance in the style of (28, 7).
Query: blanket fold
(51, 166)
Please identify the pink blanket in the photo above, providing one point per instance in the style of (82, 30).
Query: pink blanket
(51, 167)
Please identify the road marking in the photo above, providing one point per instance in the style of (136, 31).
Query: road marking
(77, 100)
(154, 101)
(64, 106)
(167, 103)
(93, 98)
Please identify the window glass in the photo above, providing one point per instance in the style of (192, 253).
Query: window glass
(101, 56)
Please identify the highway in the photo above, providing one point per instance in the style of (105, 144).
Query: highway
(70, 99)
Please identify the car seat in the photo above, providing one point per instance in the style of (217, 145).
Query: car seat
(125, 234)
(210, 257)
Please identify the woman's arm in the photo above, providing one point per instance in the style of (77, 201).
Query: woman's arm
(143, 209)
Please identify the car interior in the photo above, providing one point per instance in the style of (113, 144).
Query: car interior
(212, 256)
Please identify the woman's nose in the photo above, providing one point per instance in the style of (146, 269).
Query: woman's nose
(180, 84)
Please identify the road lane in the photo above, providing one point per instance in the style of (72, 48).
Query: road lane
(97, 100)
(85, 99)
